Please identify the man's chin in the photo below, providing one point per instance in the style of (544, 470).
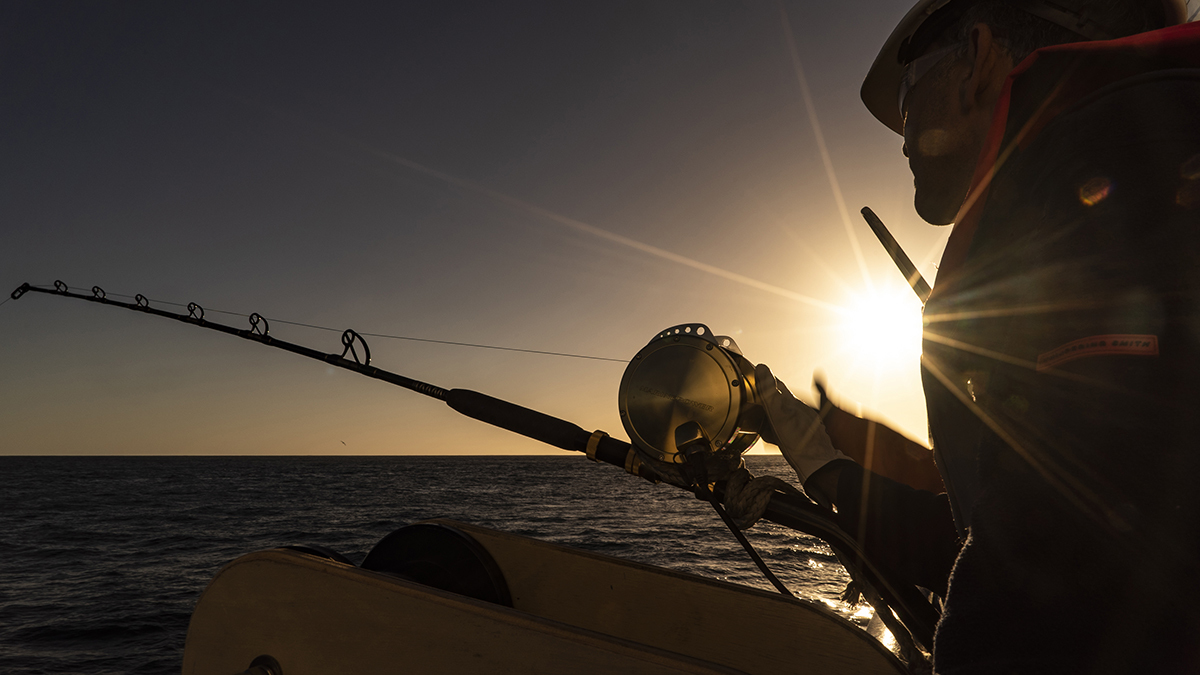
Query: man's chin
(935, 211)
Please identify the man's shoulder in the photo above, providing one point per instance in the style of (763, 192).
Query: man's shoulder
(1104, 198)
(1068, 76)
(1131, 147)
(1145, 107)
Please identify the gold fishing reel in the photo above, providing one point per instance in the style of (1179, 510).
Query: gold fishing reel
(688, 374)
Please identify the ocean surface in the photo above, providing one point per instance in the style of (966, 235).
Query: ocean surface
(104, 557)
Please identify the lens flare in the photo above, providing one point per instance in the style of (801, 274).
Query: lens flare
(1095, 191)
(1188, 195)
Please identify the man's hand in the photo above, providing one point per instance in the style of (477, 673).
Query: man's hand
(795, 427)
(746, 497)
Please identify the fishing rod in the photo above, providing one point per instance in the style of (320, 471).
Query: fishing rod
(494, 411)
(686, 457)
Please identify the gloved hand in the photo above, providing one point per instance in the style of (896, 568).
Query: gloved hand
(746, 497)
(795, 427)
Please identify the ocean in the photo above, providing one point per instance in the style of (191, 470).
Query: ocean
(104, 557)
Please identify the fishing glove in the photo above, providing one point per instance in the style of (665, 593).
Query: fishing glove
(795, 427)
(746, 497)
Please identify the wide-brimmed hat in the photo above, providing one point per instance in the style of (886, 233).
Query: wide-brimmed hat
(926, 22)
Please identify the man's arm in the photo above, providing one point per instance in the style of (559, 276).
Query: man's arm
(909, 531)
(881, 449)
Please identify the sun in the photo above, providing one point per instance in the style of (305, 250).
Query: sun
(881, 328)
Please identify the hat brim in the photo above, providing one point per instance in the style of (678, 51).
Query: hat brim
(881, 88)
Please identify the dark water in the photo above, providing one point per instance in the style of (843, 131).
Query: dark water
(104, 558)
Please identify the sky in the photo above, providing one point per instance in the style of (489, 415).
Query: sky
(566, 177)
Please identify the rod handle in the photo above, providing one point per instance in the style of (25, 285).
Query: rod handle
(518, 419)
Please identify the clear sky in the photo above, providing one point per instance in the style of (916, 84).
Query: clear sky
(259, 157)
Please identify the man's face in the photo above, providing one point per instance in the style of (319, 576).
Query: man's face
(941, 142)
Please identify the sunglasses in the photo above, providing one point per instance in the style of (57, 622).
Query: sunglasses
(918, 68)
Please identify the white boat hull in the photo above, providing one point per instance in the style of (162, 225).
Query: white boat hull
(573, 611)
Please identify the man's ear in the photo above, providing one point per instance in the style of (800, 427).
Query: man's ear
(990, 65)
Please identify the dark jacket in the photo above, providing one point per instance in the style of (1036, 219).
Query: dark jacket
(1062, 374)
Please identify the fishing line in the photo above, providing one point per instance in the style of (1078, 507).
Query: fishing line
(378, 335)
(458, 344)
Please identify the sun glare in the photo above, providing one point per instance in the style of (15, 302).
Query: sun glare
(881, 328)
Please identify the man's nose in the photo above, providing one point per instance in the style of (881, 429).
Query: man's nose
(904, 149)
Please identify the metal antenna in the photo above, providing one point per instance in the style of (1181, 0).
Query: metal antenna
(906, 266)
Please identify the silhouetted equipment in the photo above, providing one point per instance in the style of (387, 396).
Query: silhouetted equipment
(263, 665)
(683, 385)
(688, 374)
(442, 556)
